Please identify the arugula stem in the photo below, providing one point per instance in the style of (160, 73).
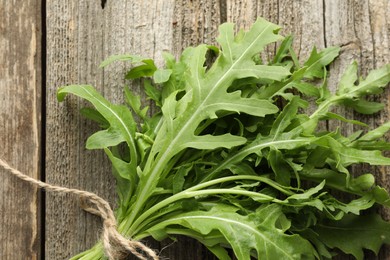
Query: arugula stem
(243, 153)
(148, 187)
(324, 106)
(95, 253)
(179, 231)
(196, 191)
(171, 164)
(256, 195)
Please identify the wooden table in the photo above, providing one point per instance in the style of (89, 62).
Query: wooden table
(47, 44)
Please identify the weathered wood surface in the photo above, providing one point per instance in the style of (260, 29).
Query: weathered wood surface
(20, 128)
(82, 33)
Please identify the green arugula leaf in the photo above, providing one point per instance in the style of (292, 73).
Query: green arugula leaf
(119, 117)
(373, 83)
(318, 60)
(122, 57)
(104, 138)
(352, 234)
(144, 70)
(376, 133)
(161, 76)
(95, 116)
(257, 231)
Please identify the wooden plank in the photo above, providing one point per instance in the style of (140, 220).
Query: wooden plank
(194, 22)
(20, 127)
(74, 50)
(141, 28)
(296, 18)
(302, 19)
(81, 34)
(362, 29)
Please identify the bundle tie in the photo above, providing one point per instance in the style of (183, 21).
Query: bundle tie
(112, 239)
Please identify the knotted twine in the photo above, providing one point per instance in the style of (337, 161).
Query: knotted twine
(113, 242)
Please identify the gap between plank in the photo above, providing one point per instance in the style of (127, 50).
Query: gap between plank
(42, 221)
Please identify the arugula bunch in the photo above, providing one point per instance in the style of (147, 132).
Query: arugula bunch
(234, 158)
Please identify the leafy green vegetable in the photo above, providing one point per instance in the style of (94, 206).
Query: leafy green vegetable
(354, 233)
(224, 162)
(256, 231)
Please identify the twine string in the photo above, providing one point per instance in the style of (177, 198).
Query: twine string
(115, 245)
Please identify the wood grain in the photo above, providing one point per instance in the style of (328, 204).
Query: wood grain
(74, 50)
(20, 131)
(361, 28)
(295, 18)
(80, 34)
(194, 22)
